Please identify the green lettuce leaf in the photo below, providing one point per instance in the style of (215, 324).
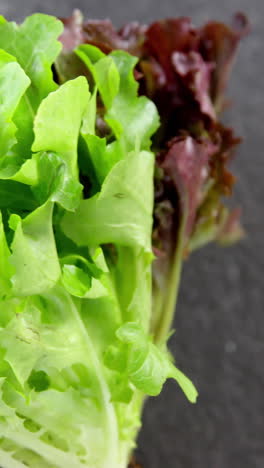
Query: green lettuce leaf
(56, 139)
(122, 212)
(57, 130)
(143, 364)
(34, 45)
(63, 409)
(13, 84)
(34, 254)
(132, 118)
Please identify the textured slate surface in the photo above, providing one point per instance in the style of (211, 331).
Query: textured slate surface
(220, 322)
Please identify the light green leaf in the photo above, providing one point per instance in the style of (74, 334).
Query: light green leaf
(76, 281)
(35, 46)
(122, 212)
(82, 278)
(27, 174)
(56, 127)
(121, 391)
(103, 71)
(125, 64)
(28, 340)
(89, 118)
(139, 121)
(58, 121)
(103, 156)
(148, 366)
(186, 385)
(107, 79)
(97, 153)
(116, 358)
(54, 181)
(65, 393)
(34, 254)
(13, 84)
(137, 115)
(132, 118)
(21, 340)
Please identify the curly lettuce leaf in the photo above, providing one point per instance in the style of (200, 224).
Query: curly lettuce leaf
(63, 410)
(13, 84)
(143, 364)
(131, 117)
(58, 131)
(56, 140)
(122, 212)
(34, 255)
(35, 46)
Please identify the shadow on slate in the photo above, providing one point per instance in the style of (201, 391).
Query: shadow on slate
(220, 321)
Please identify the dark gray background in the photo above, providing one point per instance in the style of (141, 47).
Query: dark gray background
(219, 324)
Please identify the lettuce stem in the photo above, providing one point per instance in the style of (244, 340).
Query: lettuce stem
(170, 294)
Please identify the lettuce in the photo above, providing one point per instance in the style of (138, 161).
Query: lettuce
(113, 166)
(77, 352)
(184, 70)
